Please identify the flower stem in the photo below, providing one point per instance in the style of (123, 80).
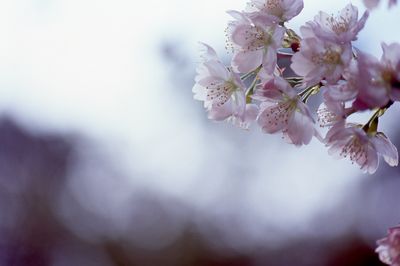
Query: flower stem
(294, 78)
(305, 94)
(293, 81)
(250, 91)
(372, 125)
(247, 75)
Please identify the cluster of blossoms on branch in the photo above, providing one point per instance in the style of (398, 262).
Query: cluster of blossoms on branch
(258, 87)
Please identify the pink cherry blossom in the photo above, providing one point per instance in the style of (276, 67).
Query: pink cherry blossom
(342, 91)
(341, 29)
(362, 148)
(255, 42)
(380, 81)
(389, 247)
(322, 60)
(347, 88)
(390, 73)
(278, 11)
(371, 94)
(222, 91)
(283, 110)
(318, 60)
(244, 120)
(331, 111)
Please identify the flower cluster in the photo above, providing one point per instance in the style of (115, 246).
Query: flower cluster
(389, 247)
(258, 87)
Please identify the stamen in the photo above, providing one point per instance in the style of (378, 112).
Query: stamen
(330, 57)
(339, 24)
(273, 7)
(281, 112)
(326, 117)
(219, 93)
(257, 39)
(356, 151)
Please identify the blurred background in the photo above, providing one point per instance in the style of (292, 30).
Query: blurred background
(105, 158)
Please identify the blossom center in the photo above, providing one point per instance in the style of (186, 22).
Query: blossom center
(338, 24)
(274, 7)
(282, 111)
(219, 92)
(257, 39)
(326, 117)
(330, 57)
(389, 77)
(355, 150)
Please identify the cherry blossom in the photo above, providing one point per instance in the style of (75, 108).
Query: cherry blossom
(255, 42)
(283, 70)
(389, 247)
(282, 110)
(381, 79)
(323, 60)
(347, 88)
(341, 29)
(222, 91)
(331, 112)
(318, 60)
(278, 11)
(361, 147)
(390, 71)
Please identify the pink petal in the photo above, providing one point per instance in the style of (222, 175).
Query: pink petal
(220, 113)
(243, 62)
(300, 130)
(217, 69)
(273, 118)
(386, 148)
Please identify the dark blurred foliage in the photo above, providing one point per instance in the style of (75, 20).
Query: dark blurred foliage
(34, 172)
